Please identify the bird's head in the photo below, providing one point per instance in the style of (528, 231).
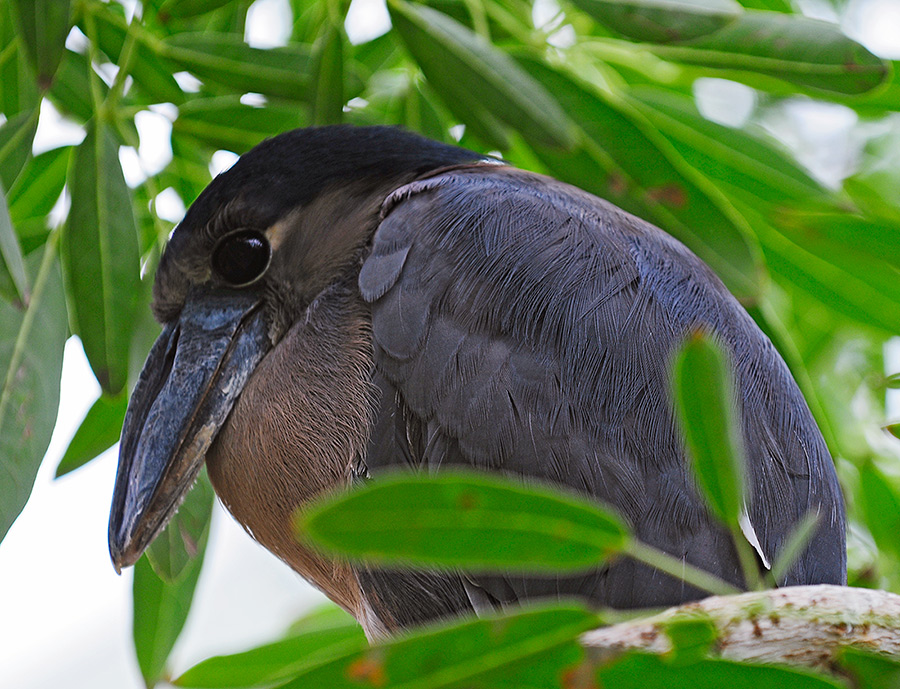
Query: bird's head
(259, 249)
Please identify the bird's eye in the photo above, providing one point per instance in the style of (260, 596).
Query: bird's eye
(241, 257)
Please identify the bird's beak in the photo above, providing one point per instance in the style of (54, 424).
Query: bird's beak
(190, 381)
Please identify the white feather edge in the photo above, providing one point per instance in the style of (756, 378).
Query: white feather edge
(750, 534)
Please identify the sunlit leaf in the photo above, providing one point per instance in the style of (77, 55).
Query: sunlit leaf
(99, 431)
(799, 50)
(31, 349)
(464, 520)
(100, 257)
(662, 21)
(705, 404)
(880, 503)
(39, 185)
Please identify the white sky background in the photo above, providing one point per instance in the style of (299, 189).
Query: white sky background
(64, 613)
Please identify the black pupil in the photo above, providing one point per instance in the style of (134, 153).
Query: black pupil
(241, 257)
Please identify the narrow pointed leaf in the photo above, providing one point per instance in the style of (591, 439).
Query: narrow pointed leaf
(705, 405)
(225, 59)
(870, 670)
(278, 661)
(226, 123)
(100, 257)
(662, 21)
(460, 655)
(181, 541)
(160, 611)
(18, 85)
(99, 431)
(44, 26)
(16, 137)
(71, 90)
(796, 49)
(31, 349)
(13, 283)
(467, 70)
(465, 520)
(39, 185)
(328, 77)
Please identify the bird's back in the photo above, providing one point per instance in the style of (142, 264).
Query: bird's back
(524, 326)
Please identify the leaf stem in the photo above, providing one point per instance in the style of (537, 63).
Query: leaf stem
(679, 569)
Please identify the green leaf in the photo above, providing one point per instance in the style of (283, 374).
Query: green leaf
(160, 611)
(692, 635)
(71, 91)
(279, 661)
(39, 185)
(173, 550)
(99, 431)
(471, 74)
(151, 74)
(182, 9)
(16, 137)
(870, 670)
(464, 520)
(670, 192)
(644, 671)
(880, 502)
(662, 21)
(796, 49)
(457, 655)
(226, 60)
(705, 406)
(100, 257)
(18, 86)
(893, 429)
(13, 283)
(328, 77)
(31, 349)
(44, 25)
(228, 124)
(724, 153)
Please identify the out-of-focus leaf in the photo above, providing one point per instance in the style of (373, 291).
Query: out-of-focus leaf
(225, 59)
(870, 670)
(672, 192)
(880, 504)
(772, 5)
(662, 21)
(18, 86)
(160, 611)
(71, 90)
(458, 520)
(188, 172)
(16, 137)
(458, 655)
(152, 76)
(31, 349)
(39, 185)
(99, 431)
(183, 538)
(724, 153)
(469, 72)
(645, 671)
(705, 404)
(182, 9)
(796, 49)
(13, 283)
(44, 27)
(893, 429)
(893, 382)
(692, 636)
(328, 77)
(279, 661)
(227, 123)
(100, 257)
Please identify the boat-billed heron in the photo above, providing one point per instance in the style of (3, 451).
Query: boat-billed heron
(344, 300)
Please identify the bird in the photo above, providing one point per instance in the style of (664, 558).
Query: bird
(345, 301)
